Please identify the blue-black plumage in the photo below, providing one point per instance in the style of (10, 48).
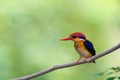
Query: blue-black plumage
(89, 46)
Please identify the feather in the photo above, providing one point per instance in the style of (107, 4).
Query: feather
(89, 46)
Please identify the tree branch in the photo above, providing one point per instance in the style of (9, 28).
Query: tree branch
(28, 77)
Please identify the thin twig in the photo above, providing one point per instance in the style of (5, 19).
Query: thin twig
(28, 77)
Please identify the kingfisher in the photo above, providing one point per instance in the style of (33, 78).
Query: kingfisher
(84, 47)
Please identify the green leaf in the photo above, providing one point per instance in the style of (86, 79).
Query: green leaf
(113, 68)
(119, 78)
(118, 68)
(110, 73)
(99, 74)
(110, 78)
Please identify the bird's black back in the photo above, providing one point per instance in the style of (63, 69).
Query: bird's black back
(89, 46)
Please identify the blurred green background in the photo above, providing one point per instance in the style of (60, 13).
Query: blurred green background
(30, 32)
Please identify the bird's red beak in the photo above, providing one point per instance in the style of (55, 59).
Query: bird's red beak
(64, 39)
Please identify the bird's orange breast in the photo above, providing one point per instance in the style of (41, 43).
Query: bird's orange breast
(80, 48)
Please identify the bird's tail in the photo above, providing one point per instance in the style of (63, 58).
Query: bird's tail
(94, 62)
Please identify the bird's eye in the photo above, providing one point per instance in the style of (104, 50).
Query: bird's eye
(73, 36)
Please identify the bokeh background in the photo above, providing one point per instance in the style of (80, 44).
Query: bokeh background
(30, 32)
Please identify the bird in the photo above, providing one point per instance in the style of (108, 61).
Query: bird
(84, 47)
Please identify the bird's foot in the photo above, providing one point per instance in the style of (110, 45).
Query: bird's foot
(79, 59)
(85, 60)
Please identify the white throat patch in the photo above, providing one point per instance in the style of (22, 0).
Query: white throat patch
(82, 39)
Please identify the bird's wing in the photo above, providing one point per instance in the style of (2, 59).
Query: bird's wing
(89, 46)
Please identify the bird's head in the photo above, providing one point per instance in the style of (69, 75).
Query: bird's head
(76, 36)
